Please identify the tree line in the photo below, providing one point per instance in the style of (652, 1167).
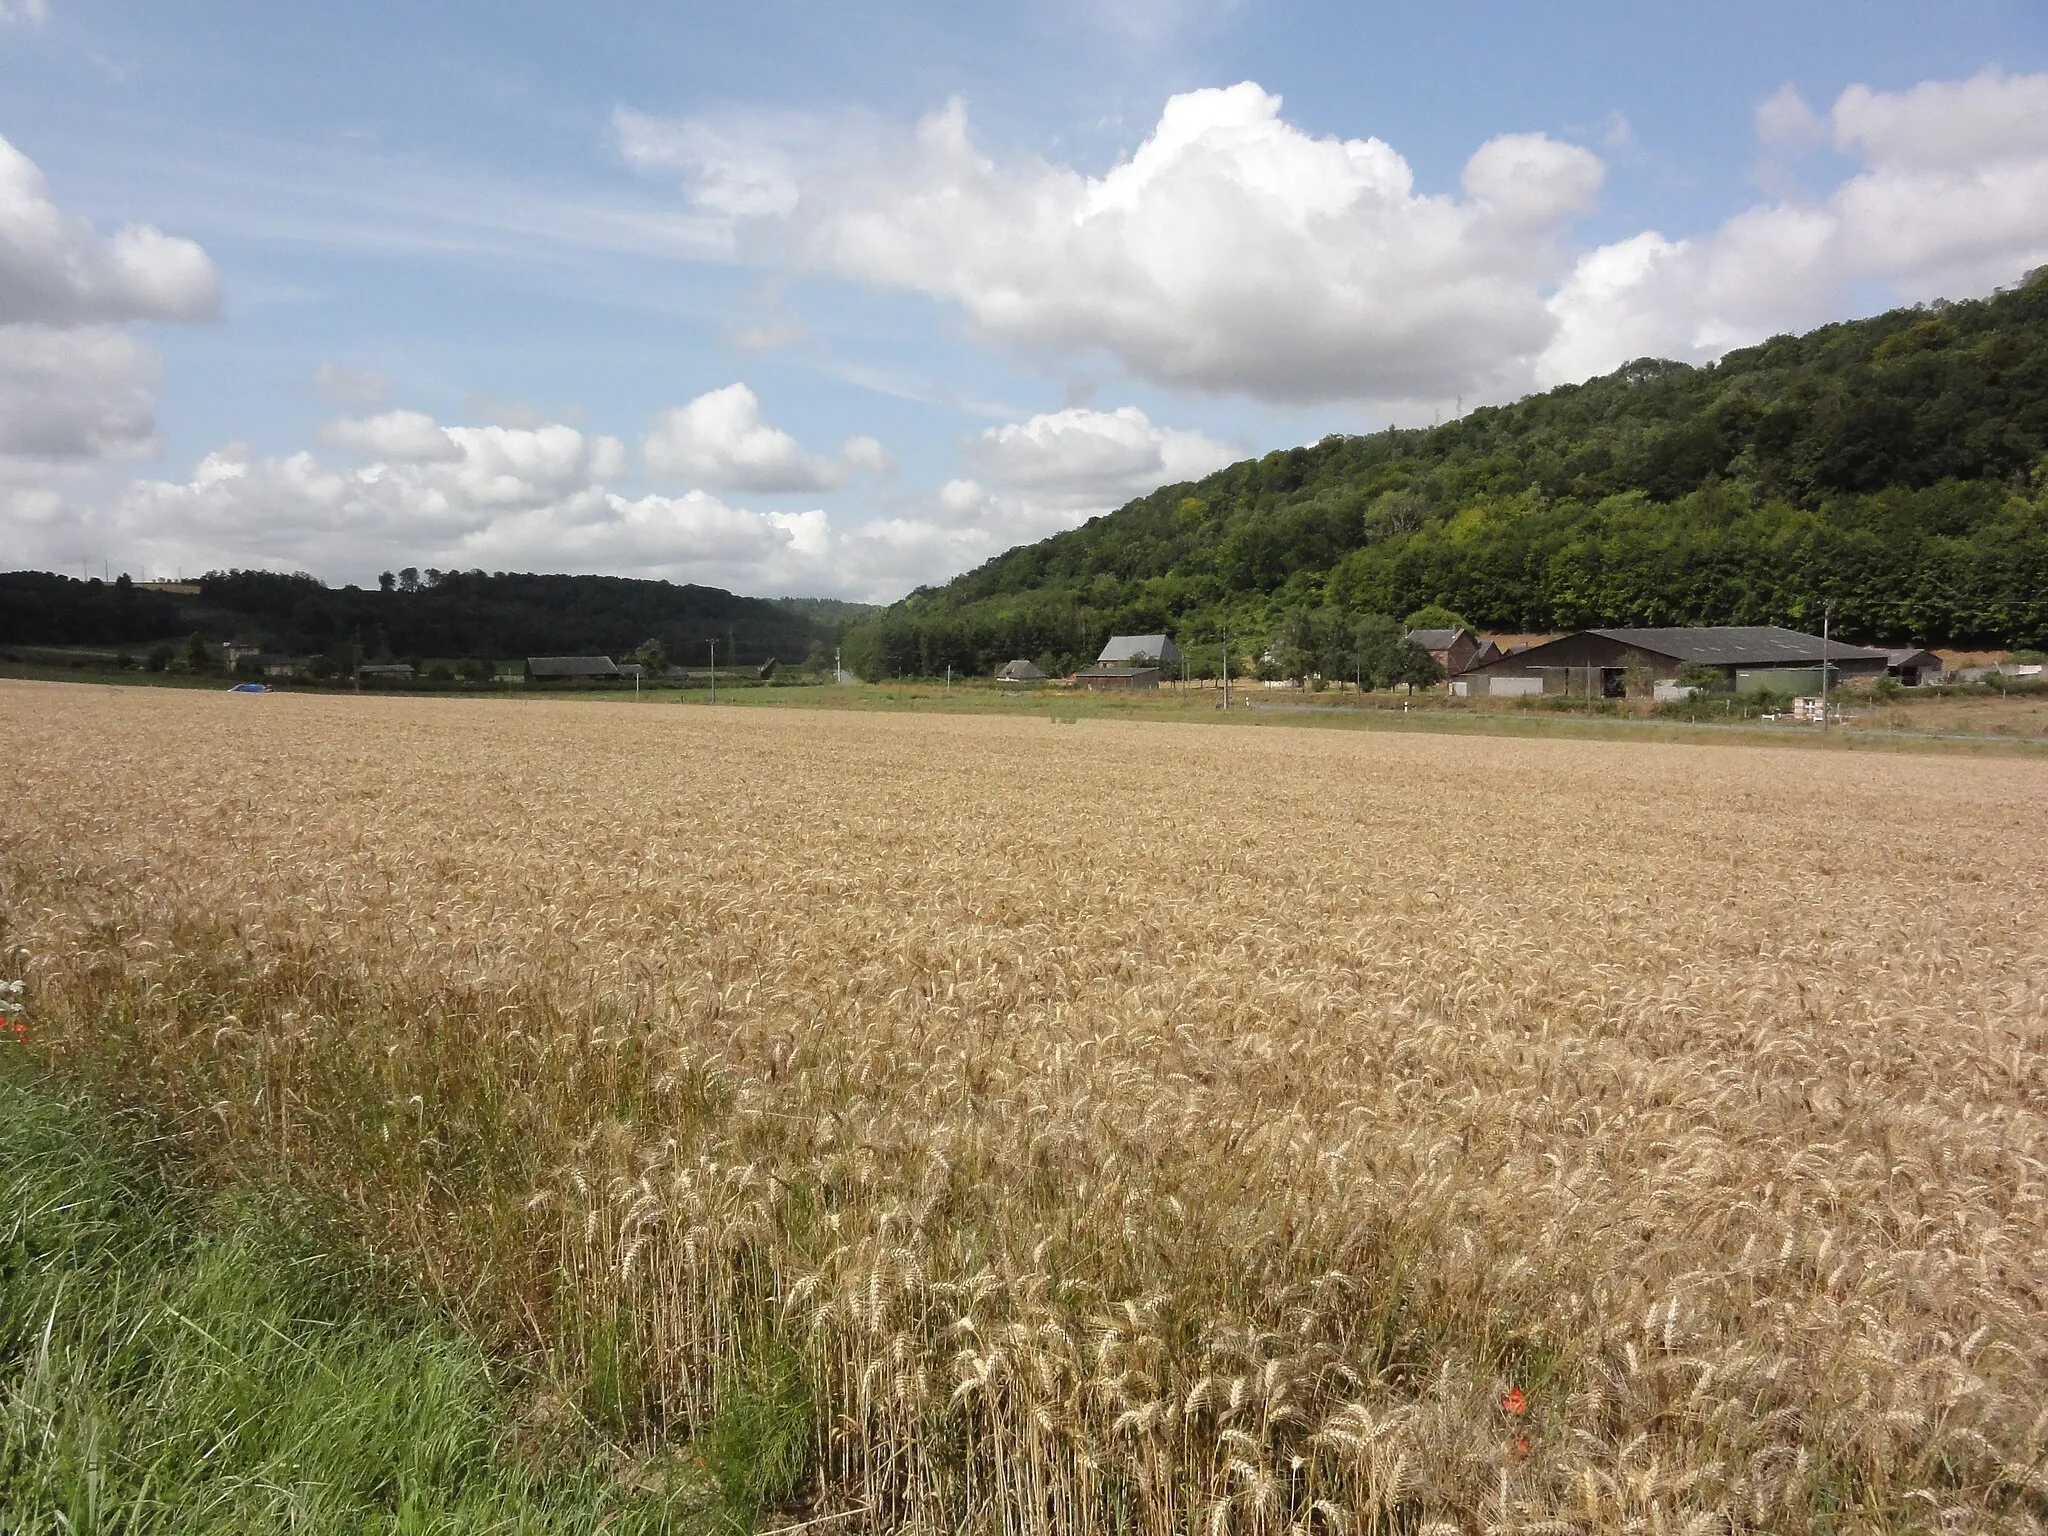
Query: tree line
(440, 614)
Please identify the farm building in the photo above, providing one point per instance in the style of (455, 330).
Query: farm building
(1020, 671)
(570, 669)
(1454, 649)
(1913, 666)
(1749, 657)
(1106, 679)
(1139, 650)
(387, 672)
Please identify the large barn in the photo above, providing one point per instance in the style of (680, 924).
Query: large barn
(570, 669)
(1749, 657)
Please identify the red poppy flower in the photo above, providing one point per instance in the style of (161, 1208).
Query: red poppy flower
(1522, 1446)
(1515, 1402)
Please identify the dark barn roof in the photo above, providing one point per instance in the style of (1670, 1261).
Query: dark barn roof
(1738, 645)
(571, 666)
(1733, 645)
(1119, 673)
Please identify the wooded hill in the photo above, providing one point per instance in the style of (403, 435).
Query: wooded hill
(449, 615)
(1896, 467)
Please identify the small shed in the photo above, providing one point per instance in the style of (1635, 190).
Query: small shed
(1913, 666)
(570, 669)
(1139, 651)
(1020, 671)
(1116, 679)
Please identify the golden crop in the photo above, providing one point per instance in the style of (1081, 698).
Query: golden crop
(1121, 1127)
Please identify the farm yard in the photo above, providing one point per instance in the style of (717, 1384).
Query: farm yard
(1116, 1126)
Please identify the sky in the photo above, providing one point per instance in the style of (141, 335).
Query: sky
(835, 300)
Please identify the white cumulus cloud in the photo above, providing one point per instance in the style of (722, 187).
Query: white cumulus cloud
(54, 268)
(1952, 201)
(721, 440)
(1230, 252)
(1093, 457)
(74, 386)
(82, 393)
(500, 498)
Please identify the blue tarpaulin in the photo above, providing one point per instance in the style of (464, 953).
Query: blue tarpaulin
(250, 688)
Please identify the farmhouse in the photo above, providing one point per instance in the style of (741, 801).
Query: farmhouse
(1454, 649)
(570, 669)
(1020, 671)
(1107, 679)
(1139, 650)
(1749, 657)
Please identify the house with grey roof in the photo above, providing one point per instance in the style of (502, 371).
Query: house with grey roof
(1139, 651)
(1749, 657)
(1454, 649)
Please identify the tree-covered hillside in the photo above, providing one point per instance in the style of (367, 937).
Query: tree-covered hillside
(448, 614)
(1896, 467)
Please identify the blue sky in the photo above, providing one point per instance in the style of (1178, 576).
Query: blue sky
(837, 299)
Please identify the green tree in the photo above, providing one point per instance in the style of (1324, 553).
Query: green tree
(1414, 668)
(199, 655)
(651, 657)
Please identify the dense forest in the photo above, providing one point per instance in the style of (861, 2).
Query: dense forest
(445, 615)
(1895, 468)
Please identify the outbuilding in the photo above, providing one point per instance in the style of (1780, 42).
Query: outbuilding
(1913, 666)
(1116, 679)
(1749, 657)
(1020, 671)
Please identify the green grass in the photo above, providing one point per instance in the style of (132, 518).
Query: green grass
(175, 1362)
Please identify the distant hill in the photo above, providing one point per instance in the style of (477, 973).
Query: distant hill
(829, 611)
(453, 614)
(1896, 467)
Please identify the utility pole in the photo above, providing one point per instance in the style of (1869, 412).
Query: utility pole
(1827, 614)
(1226, 669)
(837, 671)
(714, 670)
(949, 679)
(356, 656)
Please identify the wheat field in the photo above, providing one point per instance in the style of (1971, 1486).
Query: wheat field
(1112, 1127)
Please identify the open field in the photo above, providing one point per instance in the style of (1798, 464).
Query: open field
(1966, 720)
(1113, 1126)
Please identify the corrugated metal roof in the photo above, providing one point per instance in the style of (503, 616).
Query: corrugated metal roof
(1140, 648)
(1022, 671)
(1737, 645)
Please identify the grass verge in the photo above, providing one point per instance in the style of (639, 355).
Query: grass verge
(177, 1362)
